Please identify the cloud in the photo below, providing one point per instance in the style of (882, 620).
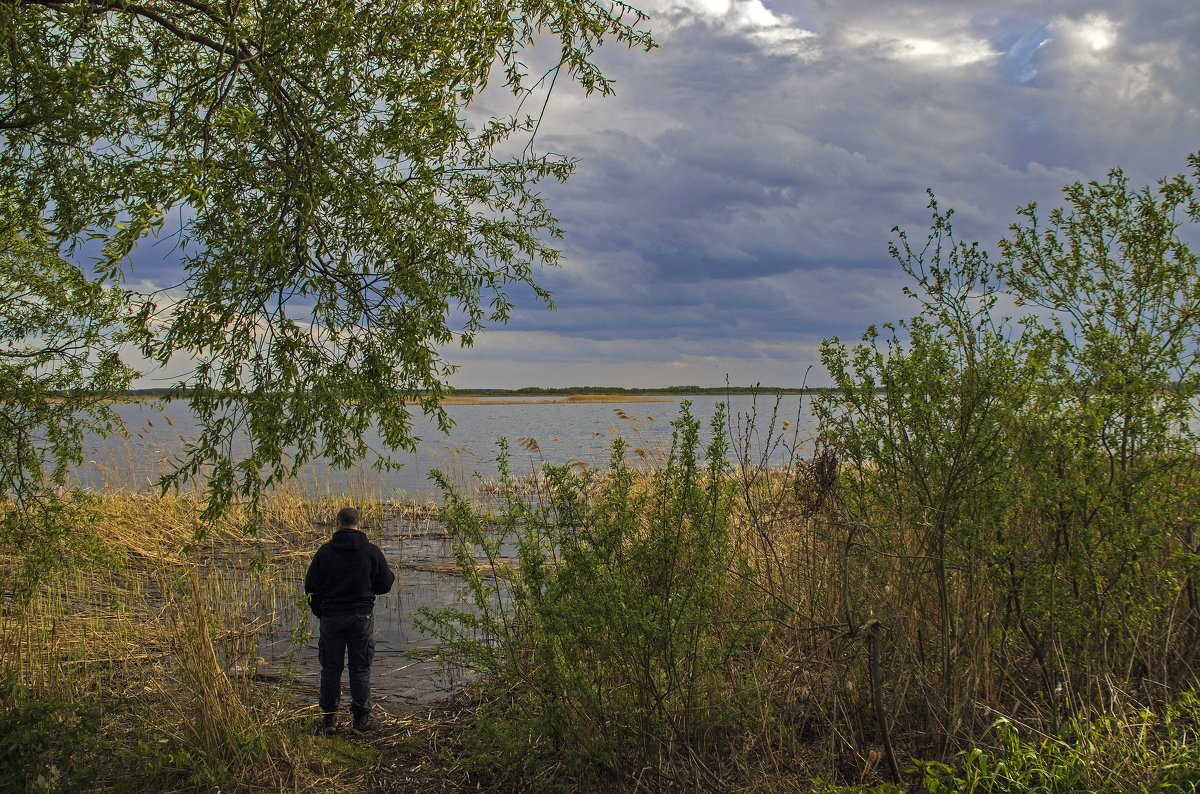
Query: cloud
(926, 50)
(548, 358)
(734, 201)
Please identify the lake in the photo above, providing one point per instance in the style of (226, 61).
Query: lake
(550, 429)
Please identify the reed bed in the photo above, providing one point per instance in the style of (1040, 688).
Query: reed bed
(167, 656)
(163, 632)
(831, 586)
(834, 678)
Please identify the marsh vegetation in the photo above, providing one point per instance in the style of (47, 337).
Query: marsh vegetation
(980, 572)
(673, 623)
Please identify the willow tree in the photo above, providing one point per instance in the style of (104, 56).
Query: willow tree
(341, 212)
(59, 357)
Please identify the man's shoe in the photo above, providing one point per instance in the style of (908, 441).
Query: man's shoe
(366, 724)
(326, 725)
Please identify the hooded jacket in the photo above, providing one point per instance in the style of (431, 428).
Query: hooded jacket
(346, 574)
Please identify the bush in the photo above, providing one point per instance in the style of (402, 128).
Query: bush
(42, 740)
(608, 645)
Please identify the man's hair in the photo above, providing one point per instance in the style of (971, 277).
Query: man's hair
(347, 517)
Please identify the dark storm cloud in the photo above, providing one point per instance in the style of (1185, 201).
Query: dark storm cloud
(734, 201)
(744, 182)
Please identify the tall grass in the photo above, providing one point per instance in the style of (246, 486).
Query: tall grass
(614, 640)
(676, 620)
(158, 639)
(697, 624)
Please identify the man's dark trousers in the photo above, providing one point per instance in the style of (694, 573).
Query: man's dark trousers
(341, 634)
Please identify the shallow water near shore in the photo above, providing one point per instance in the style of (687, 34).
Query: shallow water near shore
(421, 553)
(416, 545)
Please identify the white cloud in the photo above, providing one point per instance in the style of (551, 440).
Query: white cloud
(953, 50)
(777, 34)
(1119, 91)
(1095, 32)
(736, 13)
(709, 8)
(755, 14)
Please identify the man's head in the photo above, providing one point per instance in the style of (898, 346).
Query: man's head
(347, 518)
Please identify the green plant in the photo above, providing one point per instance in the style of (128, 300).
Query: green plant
(1111, 450)
(1130, 749)
(60, 340)
(612, 642)
(1030, 487)
(46, 742)
(923, 421)
(340, 222)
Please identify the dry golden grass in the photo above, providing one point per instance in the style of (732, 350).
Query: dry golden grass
(170, 624)
(166, 629)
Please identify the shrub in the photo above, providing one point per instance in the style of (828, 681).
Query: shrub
(608, 644)
(42, 739)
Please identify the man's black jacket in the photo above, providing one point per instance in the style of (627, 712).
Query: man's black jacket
(346, 574)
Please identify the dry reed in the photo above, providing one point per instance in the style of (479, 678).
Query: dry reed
(167, 630)
(172, 623)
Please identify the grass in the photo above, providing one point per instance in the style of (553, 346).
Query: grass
(159, 640)
(143, 667)
(809, 653)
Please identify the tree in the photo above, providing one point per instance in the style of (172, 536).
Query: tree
(340, 215)
(59, 359)
(923, 423)
(1118, 284)
(1042, 474)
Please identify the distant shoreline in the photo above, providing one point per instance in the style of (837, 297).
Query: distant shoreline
(572, 393)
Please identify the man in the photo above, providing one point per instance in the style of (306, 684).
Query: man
(344, 577)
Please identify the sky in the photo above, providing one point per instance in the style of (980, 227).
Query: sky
(734, 201)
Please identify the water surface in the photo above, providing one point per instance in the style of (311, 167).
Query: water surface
(550, 430)
(418, 548)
